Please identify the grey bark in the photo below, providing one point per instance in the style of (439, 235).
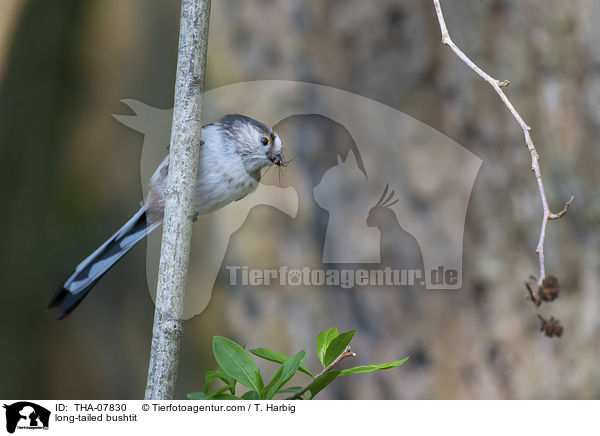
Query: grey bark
(179, 200)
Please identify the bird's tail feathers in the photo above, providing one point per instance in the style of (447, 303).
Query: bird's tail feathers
(88, 272)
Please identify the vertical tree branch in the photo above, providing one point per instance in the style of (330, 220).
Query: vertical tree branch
(535, 158)
(179, 199)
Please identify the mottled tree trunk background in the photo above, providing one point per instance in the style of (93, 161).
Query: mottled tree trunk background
(69, 176)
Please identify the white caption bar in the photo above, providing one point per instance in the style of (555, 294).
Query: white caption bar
(298, 417)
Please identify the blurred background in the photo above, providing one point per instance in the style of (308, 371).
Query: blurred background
(70, 176)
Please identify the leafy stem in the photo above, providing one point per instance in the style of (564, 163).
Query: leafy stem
(347, 352)
(236, 365)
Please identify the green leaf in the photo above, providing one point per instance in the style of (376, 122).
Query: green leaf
(336, 346)
(290, 390)
(373, 367)
(220, 374)
(203, 396)
(224, 377)
(230, 388)
(236, 362)
(261, 383)
(251, 395)
(322, 381)
(208, 378)
(288, 369)
(277, 357)
(199, 396)
(324, 338)
(274, 379)
(224, 397)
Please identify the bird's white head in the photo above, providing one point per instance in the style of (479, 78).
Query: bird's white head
(257, 145)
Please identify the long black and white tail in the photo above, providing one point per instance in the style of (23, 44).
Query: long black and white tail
(88, 272)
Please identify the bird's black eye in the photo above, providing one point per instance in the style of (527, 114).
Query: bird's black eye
(265, 140)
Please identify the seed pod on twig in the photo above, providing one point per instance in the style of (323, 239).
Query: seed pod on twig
(551, 327)
(549, 289)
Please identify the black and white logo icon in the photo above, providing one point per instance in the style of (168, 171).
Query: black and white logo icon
(26, 415)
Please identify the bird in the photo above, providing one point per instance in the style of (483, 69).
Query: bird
(233, 151)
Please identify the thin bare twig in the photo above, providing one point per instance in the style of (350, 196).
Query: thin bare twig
(535, 158)
(346, 353)
(533, 295)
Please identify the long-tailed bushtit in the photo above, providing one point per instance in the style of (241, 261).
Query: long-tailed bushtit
(232, 153)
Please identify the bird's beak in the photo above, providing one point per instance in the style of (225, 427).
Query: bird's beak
(276, 158)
